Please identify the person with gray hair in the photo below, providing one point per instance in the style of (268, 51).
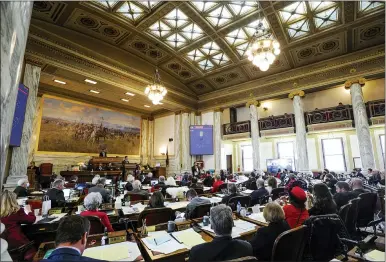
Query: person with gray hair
(92, 202)
(129, 185)
(232, 192)
(95, 179)
(257, 195)
(223, 246)
(100, 188)
(357, 187)
(21, 189)
(194, 201)
(56, 195)
(137, 190)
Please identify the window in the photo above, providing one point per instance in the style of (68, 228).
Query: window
(333, 154)
(382, 138)
(247, 157)
(285, 150)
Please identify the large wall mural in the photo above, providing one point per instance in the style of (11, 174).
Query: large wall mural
(73, 127)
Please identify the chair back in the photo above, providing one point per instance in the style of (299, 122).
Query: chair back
(277, 192)
(35, 203)
(137, 197)
(223, 186)
(264, 199)
(343, 212)
(23, 253)
(155, 216)
(366, 208)
(199, 190)
(351, 219)
(323, 243)
(46, 169)
(289, 245)
(96, 226)
(200, 211)
(244, 201)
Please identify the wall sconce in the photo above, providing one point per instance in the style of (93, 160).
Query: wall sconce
(162, 150)
(266, 106)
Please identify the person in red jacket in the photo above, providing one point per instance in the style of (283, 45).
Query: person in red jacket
(296, 212)
(92, 202)
(12, 216)
(217, 183)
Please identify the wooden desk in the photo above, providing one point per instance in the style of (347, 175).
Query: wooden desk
(87, 176)
(259, 223)
(379, 244)
(92, 241)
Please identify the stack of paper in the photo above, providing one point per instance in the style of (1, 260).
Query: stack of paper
(167, 247)
(215, 199)
(127, 251)
(240, 227)
(189, 238)
(177, 205)
(375, 255)
(258, 217)
(247, 191)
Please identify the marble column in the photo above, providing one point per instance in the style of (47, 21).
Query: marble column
(19, 158)
(177, 143)
(35, 129)
(150, 142)
(144, 138)
(361, 123)
(217, 139)
(255, 134)
(301, 134)
(185, 144)
(15, 21)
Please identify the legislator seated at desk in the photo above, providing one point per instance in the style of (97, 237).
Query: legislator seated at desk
(142, 194)
(157, 200)
(295, 212)
(258, 194)
(223, 247)
(12, 216)
(323, 202)
(92, 202)
(194, 201)
(21, 189)
(129, 185)
(100, 188)
(232, 190)
(56, 195)
(217, 183)
(343, 194)
(103, 153)
(71, 240)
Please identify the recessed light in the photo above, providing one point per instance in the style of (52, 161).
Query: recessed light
(91, 81)
(146, 106)
(60, 82)
(129, 94)
(94, 91)
(125, 100)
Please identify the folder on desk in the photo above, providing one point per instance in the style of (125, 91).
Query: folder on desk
(126, 250)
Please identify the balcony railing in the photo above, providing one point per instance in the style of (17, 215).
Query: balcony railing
(332, 114)
(376, 108)
(276, 122)
(237, 128)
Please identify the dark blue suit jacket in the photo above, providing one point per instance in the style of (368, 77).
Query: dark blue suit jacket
(68, 254)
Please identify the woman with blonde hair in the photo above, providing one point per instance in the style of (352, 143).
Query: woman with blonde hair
(262, 242)
(217, 183)
(12, 216)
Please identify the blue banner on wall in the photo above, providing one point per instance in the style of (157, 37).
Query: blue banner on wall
(19, 115)
(201, 140)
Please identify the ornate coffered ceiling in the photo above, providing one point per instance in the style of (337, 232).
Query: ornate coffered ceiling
(200, 46)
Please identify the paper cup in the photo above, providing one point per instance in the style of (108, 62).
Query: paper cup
(36, 212)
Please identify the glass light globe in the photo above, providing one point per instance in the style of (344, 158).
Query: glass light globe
(264, 67)
(276, 44)
(276, 51)
(270, 57)
(266, 43)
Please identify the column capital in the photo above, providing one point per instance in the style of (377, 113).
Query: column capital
(252, 102)
(218, 109)
(197, 113)
(186, 111)
(360, 80)
(178, 112)
(300, 93)
(145, 117)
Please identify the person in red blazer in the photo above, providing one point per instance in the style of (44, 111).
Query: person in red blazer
(12, 216)
(92, 202)
(217, 183)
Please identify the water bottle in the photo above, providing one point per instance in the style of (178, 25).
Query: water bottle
(105, 238)
(238, 207)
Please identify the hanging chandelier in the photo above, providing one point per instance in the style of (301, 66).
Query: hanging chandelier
(263, 48)
(156, 91)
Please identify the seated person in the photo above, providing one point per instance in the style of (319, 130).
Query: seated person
(129, 184)
(232, 190)
(257, 195)
(291, 180)
(156, 200)
(330, 181)
(194, 201)
(195, 183)
(262, 242)
(375, 177)
(208, 180)
(295, 212)
(137, 190)
(272, 183)
(323, 204)
(217, 183)
(222, 175)
(71, 240)
(56, 195)
(222, 247)
(343, 194)
(251, 183)
(72, 182)
(100, 167)
(161, 185)
(170, 182)
(92, 202)
(12, 216)
(184, 179)
(147, 179)
(21, 189)
(94, 180)
(357, 187)
(100, 188)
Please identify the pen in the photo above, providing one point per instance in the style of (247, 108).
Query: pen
(175, 238)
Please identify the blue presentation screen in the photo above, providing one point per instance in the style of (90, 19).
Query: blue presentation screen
(201, 140)
(18, 117)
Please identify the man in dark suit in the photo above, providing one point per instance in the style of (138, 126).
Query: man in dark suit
(21, 189)
(222, 247)
(195, 170)
(232, 189)
(103, 153)
(71, 240)
(343, 194)
(100, 188)
(357, 187)
(56, 195)
(258, 194)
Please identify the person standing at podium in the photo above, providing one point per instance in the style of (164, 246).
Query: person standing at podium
(124, 162)
(103, 153)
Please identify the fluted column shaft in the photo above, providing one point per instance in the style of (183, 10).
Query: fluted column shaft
(185, 144)
(150, 142)
(177, 143)
(217, 139)
(361, 123)
(255, 134)
(144, 141)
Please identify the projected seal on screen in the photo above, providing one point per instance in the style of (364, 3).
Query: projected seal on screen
(201, 140)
